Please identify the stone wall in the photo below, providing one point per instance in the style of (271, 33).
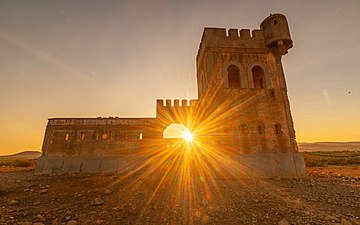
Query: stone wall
(98, 136)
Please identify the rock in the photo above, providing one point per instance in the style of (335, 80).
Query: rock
(354, 221)
(43, 191)
(14, 202)
(67, 218)
(72, 222)
(25, 223)
(283, 222)
(40, 218)
(345, 222)
(98, 221)
(98, 201)
(330, 218)
(107, 192)
(275, 178)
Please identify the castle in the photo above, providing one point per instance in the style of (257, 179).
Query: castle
(242, 108)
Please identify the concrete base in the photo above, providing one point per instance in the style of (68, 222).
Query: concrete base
(284, 165)
(251, 165)
(85, 164)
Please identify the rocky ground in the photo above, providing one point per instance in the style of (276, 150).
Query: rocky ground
(328, 195)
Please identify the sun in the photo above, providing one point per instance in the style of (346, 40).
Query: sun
(187, 136)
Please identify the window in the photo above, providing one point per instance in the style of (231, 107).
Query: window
(67, 137)
(82, 136)
(233, 76)
(278, 130)
(258, 77)
(97, 136)
(104, 136)
(141, 136)
(275, 22)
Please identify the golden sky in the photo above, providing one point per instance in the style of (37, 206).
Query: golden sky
(114, 58)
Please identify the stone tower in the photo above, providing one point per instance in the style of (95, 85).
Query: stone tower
(240, 76)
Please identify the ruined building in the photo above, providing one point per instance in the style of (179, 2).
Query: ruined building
(242, 109)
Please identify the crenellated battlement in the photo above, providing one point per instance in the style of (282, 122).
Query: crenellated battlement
(233, 38)
(172, 111)
(212, 34)
(99, 121)
(176, 103)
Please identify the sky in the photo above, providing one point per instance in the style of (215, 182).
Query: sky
(89, 58)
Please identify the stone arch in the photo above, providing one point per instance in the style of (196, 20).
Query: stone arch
(243, 82)
(266, 73)
(174, 130)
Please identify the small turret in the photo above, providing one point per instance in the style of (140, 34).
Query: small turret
(276, 31)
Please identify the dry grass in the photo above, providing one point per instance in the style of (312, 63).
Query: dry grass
(338, 158)
(12, 162)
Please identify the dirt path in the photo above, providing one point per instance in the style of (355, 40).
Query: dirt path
(327, 196)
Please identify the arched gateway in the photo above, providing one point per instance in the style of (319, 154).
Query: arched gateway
(242, 109)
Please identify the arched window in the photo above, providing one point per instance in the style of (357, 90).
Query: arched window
(175, 130)
(233, 76)
(258, 77)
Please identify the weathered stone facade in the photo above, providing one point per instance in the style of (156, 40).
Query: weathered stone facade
(242, 107)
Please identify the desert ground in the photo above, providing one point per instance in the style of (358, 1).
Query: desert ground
(330, 194)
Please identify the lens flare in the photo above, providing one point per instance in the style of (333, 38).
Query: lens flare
(187, 136)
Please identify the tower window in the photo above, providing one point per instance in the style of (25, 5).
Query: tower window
(278, 130)
(141, 136)
(233, 76)
(275, 22)
(258, 77)
(82, 136)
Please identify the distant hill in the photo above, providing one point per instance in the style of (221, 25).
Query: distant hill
(303, 147)
(329, 146)
(24, 155)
